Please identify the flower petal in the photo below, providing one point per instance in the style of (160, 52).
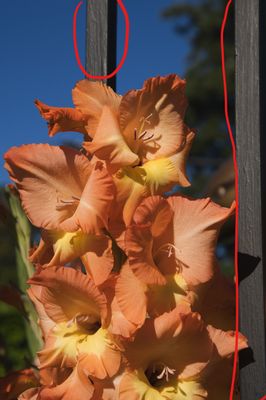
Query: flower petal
(128, 289)
(61, 346)
(139, 241)
(62, 284)
(59, 248)
(90, 98)
(51, 176)
(99, 261)
(135, 386)
(196, 225)
(45, 322)
(99, 355)
(61, 119)
(76, 386)
(108, 143)
(225, 341)
(29, 394)
(95, 203)
(158, 109)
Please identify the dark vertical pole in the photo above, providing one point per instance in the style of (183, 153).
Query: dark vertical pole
(101, 31)
(251, 153)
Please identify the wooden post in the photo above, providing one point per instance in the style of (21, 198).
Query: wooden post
(101, 30)
(251, 154)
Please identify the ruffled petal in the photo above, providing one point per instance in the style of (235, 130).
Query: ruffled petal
(29, 394)
(93, 210)
(99, 261)
(135, 386)
(128, 288)
(154, 211)
(50, 176)
(109, 145)
(60, 248)
(61, 346)
(44, 321)
(152, 118)
(225, 342)
(139, 242)
(196, 225)
(59, 285)
(90, 98)
(99, 355)
(76, 386)
(61, 119)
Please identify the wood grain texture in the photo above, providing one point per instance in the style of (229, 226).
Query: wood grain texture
(101, 32)
(251, 152)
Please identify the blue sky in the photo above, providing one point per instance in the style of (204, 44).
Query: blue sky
(38, 61)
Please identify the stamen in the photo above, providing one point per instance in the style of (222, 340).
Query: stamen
(165, 373)
(143, 121)
(170, 249)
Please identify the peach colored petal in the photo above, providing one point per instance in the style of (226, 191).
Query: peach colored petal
(95, 203)
(179, 160)
(156, 212)
(187, 245)
(50, 176)
(154, 177)
(29, 394)
(99, 261)
(131, 190)
(76, 386)
(108, 143)
(61, 119)
(128, 288)
(60, 248)
(120, 325)
(196, 225)
(61, 284)
(45, 322)
(99, 355)
(177, 340)
(224, 342)
(90, 98)
(61, 346)
(139, 241)
(164, 298)
(152, 118)
(135, 386)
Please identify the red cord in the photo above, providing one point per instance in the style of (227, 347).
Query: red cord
(236, 197)
(101, 77)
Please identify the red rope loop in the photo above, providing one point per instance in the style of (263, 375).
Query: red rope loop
(83, 70)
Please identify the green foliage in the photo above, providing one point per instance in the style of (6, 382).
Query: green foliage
(20, 335)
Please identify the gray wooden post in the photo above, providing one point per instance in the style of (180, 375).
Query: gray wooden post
(251, 152)
(101, 30)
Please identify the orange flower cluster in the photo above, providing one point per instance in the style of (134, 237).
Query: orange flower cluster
(131, 301)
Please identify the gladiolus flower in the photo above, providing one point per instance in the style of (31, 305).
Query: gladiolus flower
(80, 330)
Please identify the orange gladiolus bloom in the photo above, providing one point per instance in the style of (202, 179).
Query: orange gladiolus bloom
(131, 300)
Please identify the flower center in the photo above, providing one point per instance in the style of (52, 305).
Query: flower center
(171, 250)
(142, 133)
(159, 374)
(86, 322)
